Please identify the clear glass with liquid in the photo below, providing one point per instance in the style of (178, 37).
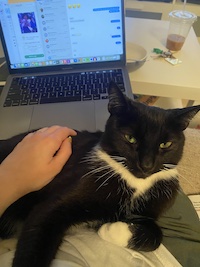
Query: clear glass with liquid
(179, 26)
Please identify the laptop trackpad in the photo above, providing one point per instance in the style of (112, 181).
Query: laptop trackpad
(76, 115)
(14, 120)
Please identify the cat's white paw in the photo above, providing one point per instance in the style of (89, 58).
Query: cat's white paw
(117, 233)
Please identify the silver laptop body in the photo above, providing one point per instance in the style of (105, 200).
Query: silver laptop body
(46, 37)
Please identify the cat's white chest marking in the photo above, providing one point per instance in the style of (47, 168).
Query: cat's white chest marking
(140, 185)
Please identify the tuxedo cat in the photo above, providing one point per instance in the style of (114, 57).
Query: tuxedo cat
(124, 177)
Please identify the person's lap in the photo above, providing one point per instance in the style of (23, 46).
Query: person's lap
(181, 229)
(83, 247)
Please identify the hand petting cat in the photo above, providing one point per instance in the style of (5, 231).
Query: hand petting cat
(34, 162)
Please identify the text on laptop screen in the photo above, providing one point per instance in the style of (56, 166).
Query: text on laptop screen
(56, 32)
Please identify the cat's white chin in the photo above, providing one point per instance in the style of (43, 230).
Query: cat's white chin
(139, 185)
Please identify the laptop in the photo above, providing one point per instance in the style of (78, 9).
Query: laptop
(60, 44)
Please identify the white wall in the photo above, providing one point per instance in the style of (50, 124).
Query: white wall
(160, 7)
(163, 8)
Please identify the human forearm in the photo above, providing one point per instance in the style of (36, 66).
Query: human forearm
(33, 163)
(9, 191)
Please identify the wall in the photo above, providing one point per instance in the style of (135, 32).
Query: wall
(165, 8)
(149, 9)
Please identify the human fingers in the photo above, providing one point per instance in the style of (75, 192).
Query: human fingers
(42, 130)
(49, 130)
(62, 145)
(45, 130)
(53, 131)
(56, 130)
(63, 154)
(37, 132)
(61, 133)
(53, 141)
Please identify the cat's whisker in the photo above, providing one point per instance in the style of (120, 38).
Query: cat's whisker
(182, 168)
(169, 166)
(155, 195)
(180, 191)
(155, 242)
(118, 158)
(100, 177)
(92, 156)
(167, 193)
(139, 205)
(99, 169)
(105, 181)
(108, 195)
(166, 168)
(86, 161)
(187, 181)
(89, 159)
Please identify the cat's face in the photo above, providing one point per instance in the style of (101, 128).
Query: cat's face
(147, 137)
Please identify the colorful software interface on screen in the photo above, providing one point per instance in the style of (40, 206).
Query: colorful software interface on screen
(55, 32)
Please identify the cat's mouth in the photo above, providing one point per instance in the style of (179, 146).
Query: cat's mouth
(141, 173)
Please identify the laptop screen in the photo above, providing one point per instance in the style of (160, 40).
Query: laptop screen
(44, 33)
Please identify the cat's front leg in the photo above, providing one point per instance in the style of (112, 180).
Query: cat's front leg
(41, 236)
(143, 236)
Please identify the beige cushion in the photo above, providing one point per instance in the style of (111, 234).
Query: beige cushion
(189, 167)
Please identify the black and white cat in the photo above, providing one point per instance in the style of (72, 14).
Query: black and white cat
(125, 178)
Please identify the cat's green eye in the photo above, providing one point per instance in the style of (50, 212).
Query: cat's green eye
(165, 145)
(130, 139)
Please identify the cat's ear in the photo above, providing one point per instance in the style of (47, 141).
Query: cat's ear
(117, 101)
(183, 116)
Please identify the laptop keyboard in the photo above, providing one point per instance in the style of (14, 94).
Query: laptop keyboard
(44, 89)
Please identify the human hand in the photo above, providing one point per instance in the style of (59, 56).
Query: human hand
(38, 158)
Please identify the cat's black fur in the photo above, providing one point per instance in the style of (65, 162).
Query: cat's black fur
(88, 189)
